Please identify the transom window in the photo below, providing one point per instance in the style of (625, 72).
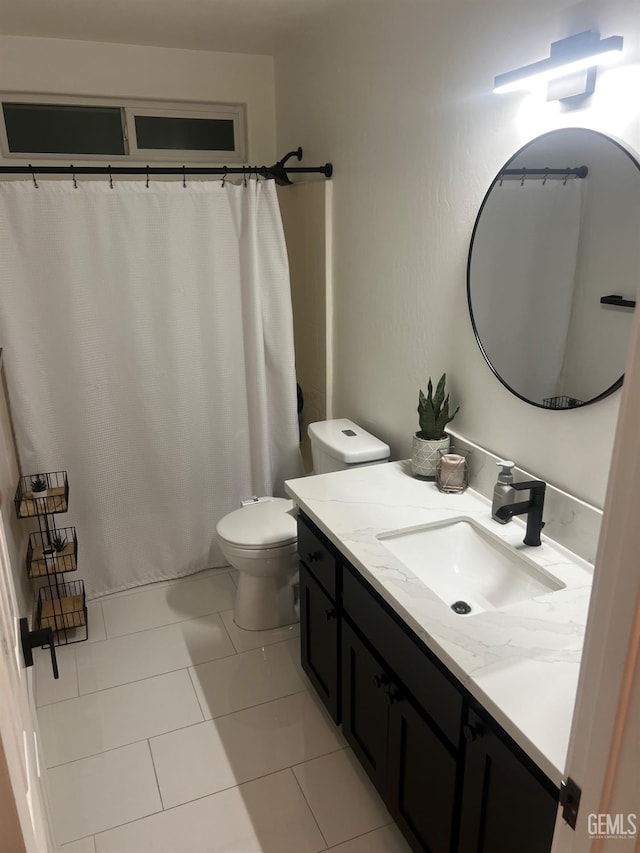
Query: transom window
(39, 127)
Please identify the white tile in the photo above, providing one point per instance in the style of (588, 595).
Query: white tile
(95, 622)
(218, 754)
(268, 815)
(84, 845)
(388, 839)
(247, 679)
(111, 718)
(235, 575)
(341, 797)
(49, 689)
(94, 794)
(168, 603)
(245, 640)
(148, 653)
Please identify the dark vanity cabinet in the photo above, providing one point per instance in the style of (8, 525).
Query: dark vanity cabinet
(452, 779)
(408, 762)
(506, 805)
(319, 619)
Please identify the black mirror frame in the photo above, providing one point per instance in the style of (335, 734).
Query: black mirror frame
(618, 383)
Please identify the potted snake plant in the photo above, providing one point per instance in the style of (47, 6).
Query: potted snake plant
(433, 413)
(39, 486)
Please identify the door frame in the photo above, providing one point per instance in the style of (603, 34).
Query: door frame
(610, 672)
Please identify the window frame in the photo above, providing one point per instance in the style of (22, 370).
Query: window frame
(129, 108)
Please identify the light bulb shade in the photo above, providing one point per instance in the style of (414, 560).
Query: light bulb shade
(584, 50)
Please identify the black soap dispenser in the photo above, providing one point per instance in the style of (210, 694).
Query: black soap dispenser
(503, 492)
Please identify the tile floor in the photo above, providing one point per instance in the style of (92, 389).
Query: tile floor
(174, 731)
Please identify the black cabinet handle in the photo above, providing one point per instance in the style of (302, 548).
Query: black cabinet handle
(35, 639)
(471, 733)
(395, 694)
(314, 556)
(331, 614)
(381, 680)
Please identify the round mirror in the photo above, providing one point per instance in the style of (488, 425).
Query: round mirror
(554, 268)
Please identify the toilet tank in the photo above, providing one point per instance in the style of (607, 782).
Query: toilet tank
(340, 444)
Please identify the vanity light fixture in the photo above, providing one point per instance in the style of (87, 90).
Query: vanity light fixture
(567, 57)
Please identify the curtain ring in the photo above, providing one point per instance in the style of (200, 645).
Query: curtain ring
(501, 178)
(224, 177)
(566, 178)
(524, 175)
(184, 178)
(33, 176)
(546, 175)
(147, 184)
(244, 176)
(75, 182)
(110, 177)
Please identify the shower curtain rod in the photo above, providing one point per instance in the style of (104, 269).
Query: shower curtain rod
(279, 171)
(577, 172)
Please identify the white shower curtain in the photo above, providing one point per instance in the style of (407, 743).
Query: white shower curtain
(148, 348)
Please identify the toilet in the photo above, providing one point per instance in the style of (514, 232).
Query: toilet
(260, 540)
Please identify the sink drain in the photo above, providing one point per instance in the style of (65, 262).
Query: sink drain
(461, 607)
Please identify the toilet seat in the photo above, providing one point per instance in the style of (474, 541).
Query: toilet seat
(261, 526)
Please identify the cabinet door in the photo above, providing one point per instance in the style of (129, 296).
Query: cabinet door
(505, 807)
(365, 706)
(319, 628)
(422, 778)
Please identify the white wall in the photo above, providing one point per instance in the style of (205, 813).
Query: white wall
(398, 94)
(304, 217)
(60, 66)
(16, 531)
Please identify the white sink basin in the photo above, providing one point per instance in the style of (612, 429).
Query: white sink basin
(460, 561)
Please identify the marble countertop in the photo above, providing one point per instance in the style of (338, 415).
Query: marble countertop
(520, 662)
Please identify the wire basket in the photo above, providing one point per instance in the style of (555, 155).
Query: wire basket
(63, 608)
(43, 559)
(53, 498)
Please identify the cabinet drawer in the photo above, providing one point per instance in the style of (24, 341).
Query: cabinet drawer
(404, 654)
(315, 553)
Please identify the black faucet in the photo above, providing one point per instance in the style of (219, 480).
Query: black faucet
(533, 507)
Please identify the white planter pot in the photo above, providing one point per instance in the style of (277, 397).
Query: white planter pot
(424, 458)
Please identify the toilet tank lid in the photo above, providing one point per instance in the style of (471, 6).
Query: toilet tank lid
(267, 524)
(347, 442)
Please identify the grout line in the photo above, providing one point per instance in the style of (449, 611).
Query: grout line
(188, 802)
(227, 632)
(193, 687)
(304, 797)
(188, 726)
(155, 773)
(187, 666)
(98, 604)
(162, 624)
(75, 841)
(362, 835)
(154, 675)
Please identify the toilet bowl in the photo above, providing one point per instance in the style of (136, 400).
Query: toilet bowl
(260, 539)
